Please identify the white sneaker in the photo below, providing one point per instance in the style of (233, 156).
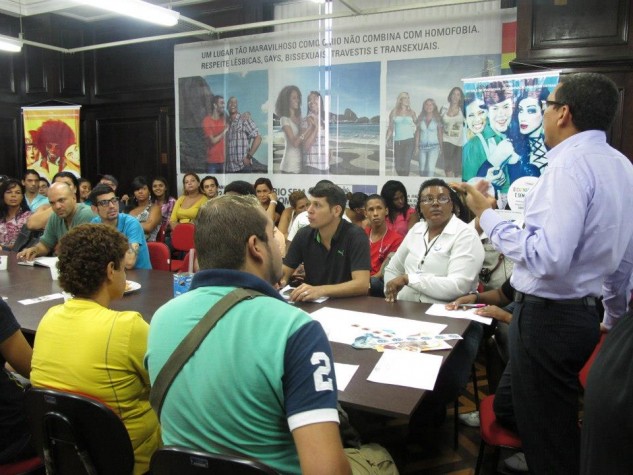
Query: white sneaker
(471, 419)
(516, 463)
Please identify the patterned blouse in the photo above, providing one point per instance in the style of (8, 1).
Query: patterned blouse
(9, 230)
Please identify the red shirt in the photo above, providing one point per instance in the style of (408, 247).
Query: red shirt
(211, 126)
(384, 246)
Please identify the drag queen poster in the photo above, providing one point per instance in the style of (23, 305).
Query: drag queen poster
(504, 140)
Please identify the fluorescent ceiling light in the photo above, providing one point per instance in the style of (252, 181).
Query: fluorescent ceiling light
(137, 9)
(10, 44)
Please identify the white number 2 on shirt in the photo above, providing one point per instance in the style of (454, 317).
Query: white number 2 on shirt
(322, 380)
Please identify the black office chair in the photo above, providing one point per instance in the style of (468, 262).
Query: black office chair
(78, 435)
(182, 461)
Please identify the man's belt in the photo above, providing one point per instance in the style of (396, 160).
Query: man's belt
(520, 297)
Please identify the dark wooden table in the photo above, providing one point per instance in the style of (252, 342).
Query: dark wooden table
(22, 282)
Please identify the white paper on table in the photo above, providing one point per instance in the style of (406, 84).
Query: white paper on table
(344, 374)
(406, 368)
(43, 298)
(439, 310)
(344, 326)
(40, 261)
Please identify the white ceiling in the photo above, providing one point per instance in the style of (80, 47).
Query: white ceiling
(188, 27)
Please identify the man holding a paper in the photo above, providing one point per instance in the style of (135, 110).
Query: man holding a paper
(334, 252)
(576, 246)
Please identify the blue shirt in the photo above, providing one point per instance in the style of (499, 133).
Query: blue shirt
(578, 240)
(131, 228)
(38, 201)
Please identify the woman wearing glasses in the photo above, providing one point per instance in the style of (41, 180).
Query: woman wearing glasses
(439, 261)
(441, 256)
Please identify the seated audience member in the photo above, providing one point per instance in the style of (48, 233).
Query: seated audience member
(160, 196)
(188, 205)
(67, 214)
(32, 194)
(244, 188)
(298, 203)
(401, 217)
(44, 184)
(142, 208)
(335, 253)
(356, 209)
(302, 220)
(82, 346)
(15, 438)
(85, 187)
(261, 398)
(440, 257)
(37, 221)
(209, 186)
(106, 207)
(14, 211)
(438, 261)
(383, 242)
(268, 199)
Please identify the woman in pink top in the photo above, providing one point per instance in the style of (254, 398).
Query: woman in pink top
(401, 217)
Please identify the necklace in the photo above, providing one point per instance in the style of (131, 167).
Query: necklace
(427, 248)
(381, 240)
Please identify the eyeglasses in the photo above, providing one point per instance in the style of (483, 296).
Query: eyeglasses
(428, 200)
(545, 104)
(106, 203)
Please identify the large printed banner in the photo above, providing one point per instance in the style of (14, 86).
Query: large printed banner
(504, 139)
(361, 105)
(51, 137)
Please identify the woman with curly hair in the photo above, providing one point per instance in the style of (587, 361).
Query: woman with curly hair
(13, 212)
(82, 346)
(143, 209)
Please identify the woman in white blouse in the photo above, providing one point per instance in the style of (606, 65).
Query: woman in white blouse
(439, 260)
(441, 256)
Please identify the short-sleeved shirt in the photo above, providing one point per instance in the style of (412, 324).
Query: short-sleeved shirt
(56, 226)
(133, 231)
(238, 138)
(349, 252)
(211, 127)
(38, 201)
(263, 371)
(380, 249)
(13, 423)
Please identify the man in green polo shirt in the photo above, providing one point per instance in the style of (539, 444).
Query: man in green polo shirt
(67, 214)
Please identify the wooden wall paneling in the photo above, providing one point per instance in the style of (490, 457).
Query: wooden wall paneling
(41, 75)
(72, 66)
(11, 160)
(128, 143)
(10, 64)
(132, 73)
(573, 33)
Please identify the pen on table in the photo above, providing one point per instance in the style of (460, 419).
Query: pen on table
(472, 305)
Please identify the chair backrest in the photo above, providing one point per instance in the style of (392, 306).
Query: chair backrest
(162, 231)
(78, 435)
(182, 461)
(159, 255)
(182, 236)
(584, 372)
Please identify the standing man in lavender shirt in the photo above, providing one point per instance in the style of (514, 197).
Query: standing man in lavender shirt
(576, 245)
(242, 140)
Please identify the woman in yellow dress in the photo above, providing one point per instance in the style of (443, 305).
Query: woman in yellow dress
(82, 346)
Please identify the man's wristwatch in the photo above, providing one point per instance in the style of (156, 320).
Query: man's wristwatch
(249, 156)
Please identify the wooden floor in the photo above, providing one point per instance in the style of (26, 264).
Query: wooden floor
(434, 453)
